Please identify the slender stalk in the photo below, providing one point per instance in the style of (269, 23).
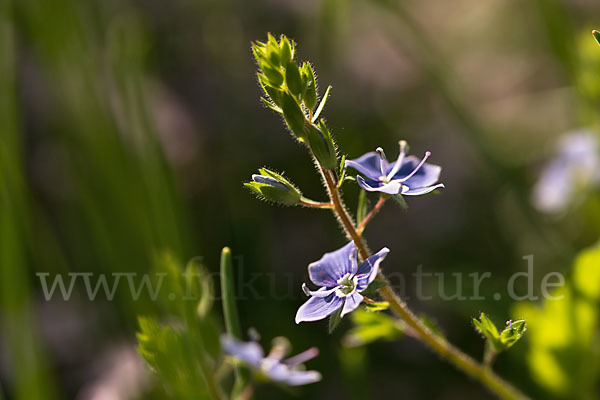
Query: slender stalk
(437, 343)
(363, 224)
(314, 204)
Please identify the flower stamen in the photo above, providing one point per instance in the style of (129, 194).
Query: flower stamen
(407, 177)
(399, 161)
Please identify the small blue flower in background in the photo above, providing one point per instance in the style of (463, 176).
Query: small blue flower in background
(273, 367)
(341, 280)
(407, 176)
(574, 170)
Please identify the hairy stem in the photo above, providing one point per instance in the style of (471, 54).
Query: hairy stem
(437, 343)
(314, 204)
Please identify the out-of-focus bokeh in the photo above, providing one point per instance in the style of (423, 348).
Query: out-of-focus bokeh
(128, 127)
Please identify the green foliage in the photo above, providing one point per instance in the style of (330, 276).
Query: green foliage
(282, 191)
(310, 96)
(335, 319)
(322, 145)
(362, 208)
(373, 326)
(499, 342)
(166, 352)
(183, 353)
(596, 35)
(230, 314)
(294, 116)
(563, 355)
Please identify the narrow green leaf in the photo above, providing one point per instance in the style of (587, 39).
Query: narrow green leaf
(271, 105)
(596, 35)
(335, 319)
(322, 104)
(230, 312)
(363, 204)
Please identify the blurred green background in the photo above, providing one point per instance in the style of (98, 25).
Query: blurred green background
(127, 128)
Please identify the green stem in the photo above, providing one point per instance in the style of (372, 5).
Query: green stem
(314, 204)
(437, 343)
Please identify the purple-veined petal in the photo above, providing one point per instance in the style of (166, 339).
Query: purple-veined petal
(368, 164)
(420, 191)
(427, 175)
(249, 352)
(367, 271)
(332, 266)
(317, 308)
(393, 187)
(292, 377)
(352, 303)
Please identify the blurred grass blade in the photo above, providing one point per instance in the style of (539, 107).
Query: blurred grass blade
(230, 314)
(24, 356)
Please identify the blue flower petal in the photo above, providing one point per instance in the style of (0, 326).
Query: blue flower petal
(427, 175)
(282, 373)
(317, 308)
(367, 271)
(332, 266)
(369, 165)
(420, 191)
(393, 187)
(249, 352)
(352, 303)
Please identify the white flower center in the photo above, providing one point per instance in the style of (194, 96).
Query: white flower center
(346, 285)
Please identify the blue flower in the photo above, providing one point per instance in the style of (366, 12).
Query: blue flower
(407, 176)
(272, 367)
(341, 280)
(574, 171)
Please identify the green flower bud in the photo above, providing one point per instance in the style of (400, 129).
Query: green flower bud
(322, 145)
(273, 187)
(274, 75)
(286, 53)
(274, 94)
(293, 80)
(294, 116)
(310, 96)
